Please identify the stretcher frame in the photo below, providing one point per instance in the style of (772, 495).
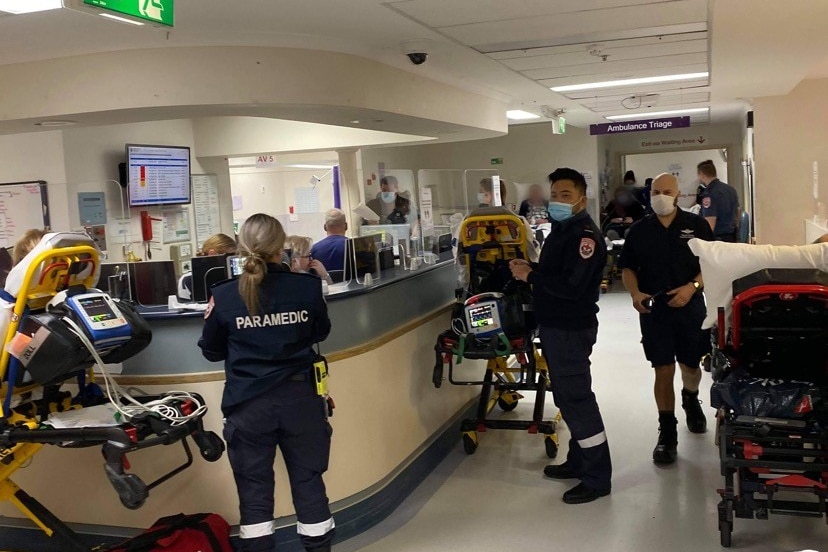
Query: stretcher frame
(509, 369)
(50, 272)
(761, 458)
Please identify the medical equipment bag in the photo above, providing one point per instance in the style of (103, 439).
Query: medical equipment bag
(182, 533)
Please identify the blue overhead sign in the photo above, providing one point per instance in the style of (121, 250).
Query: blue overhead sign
(642, 125)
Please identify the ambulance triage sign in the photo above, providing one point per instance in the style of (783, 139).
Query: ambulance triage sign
(156, 11)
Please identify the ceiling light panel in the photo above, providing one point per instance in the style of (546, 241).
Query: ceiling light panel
(651, 114)
(631, 82)
(520, 115)
(29, 6)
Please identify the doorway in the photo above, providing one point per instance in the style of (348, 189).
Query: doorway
(682, 164)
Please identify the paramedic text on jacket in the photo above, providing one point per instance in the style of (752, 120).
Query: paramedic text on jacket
(270, 399)
(566, 284)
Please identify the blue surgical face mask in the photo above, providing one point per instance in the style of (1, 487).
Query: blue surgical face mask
(559, 211)
(388, 197)
(481, 198)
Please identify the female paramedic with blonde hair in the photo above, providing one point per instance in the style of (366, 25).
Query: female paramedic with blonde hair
(264, 326)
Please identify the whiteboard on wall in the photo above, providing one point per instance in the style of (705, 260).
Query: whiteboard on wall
(23, 205)
(206, 207)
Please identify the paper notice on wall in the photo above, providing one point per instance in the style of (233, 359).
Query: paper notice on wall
(307, 200)
(206, 206)
(592, 189)
(426, 212)
(497, 199)
(176, 225)
(238, 203)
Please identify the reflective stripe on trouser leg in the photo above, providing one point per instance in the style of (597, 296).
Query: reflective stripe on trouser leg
(315, 529)
(256, 531)
(567, 354)
(594, 441)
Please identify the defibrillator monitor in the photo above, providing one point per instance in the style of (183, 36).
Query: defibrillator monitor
(483, 314)
(235, 266)
(103, 321)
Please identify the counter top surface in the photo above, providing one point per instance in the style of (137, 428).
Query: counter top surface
(336, 292)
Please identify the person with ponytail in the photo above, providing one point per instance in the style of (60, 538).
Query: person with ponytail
(264, 326)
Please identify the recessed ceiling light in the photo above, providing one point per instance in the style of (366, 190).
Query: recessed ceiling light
(120, 19)
(660, 113)
(29, 6)
(630, 82)
(354, 122)
(309, 166)
(50, 124)
(520, 115)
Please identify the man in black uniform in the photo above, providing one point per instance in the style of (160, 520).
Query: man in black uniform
(270, 400)
(719, 204)
(658, 265)
(567, 283)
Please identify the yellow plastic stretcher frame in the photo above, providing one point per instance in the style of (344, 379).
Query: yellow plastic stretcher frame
(473, 232)
(49, 273)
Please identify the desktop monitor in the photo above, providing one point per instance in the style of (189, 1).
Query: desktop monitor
(152, 282)
(207, 271)
(158, 175)
(235, 266)
(397, 232)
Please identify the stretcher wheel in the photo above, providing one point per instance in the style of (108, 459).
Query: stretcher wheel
(505, 404)
(132, 491)
(551, 444)
(470, 442)
(211, 446)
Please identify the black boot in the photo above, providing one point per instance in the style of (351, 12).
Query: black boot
(696, 420)
(666, 451)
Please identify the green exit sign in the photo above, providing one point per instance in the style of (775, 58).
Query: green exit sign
(497, 160)
(161, 12)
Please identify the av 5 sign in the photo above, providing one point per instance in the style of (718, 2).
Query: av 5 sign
(160, 12)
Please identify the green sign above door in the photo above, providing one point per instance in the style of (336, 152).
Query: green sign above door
(155, 11)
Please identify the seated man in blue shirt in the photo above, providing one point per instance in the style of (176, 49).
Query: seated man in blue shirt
(330, 251)
(719, 204)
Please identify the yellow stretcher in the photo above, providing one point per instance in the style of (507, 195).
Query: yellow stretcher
(487, 241)
(22, 430)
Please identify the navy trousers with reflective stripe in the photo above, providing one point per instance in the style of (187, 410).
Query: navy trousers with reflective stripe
(567, 354)
(291, 417)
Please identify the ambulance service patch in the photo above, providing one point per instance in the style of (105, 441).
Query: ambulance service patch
(587, 249)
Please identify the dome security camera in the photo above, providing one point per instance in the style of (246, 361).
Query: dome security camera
(417, 58)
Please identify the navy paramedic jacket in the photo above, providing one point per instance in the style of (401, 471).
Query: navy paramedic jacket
(567, 278)
(263, 350)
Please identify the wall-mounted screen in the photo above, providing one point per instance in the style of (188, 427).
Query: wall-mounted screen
(158, 175)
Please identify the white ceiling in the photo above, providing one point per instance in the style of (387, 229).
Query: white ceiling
(511, 50)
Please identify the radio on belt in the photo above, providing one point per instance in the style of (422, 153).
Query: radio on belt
(483, 316)
(104, 323)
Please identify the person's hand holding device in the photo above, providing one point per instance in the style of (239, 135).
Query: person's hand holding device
(520, 269)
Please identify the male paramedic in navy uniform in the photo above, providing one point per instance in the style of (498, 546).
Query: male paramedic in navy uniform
(567, 285)
(657, 264)
(719, 204)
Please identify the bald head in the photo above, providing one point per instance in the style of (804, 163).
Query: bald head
(666, 184)
(664, 195)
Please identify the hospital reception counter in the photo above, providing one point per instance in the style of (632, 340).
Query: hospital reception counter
(381, 355)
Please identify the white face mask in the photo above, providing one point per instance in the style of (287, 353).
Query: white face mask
(663, 205)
